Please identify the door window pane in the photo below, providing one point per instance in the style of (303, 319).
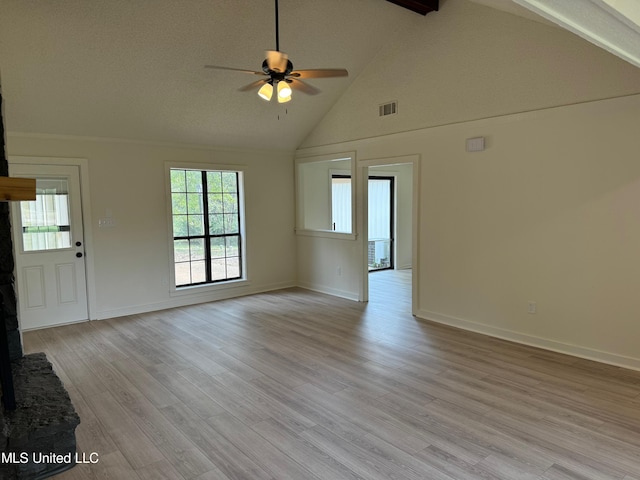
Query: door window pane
(45, 220)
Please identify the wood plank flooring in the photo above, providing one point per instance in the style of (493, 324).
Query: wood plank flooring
(298, 385)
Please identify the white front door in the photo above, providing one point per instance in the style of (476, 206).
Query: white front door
(49, 247)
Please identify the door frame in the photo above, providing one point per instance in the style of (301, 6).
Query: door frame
(362, 215)
(83, 167)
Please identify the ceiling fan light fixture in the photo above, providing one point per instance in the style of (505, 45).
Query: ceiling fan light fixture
(284, 91)
(278, 73)
(266, 91)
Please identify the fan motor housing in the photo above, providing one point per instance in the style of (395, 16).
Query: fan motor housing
(275, 74)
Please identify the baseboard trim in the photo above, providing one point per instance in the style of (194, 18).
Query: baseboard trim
(42, 327)
(195, 299)
(329, 291)
(533, 341)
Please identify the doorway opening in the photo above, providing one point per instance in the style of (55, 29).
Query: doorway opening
(390, 199)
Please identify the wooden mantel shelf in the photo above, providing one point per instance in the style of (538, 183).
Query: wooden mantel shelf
(17, 189)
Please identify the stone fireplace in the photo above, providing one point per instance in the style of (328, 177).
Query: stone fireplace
(37, 418)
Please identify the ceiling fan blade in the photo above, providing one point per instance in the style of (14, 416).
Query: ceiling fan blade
(252, 72)
(302, 86)
(252, 85)
(320, 73)
(277, 61)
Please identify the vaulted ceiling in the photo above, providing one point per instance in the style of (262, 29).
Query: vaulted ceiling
(133, 69)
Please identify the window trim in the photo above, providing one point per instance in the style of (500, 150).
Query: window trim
(299, 161)
(212, 286)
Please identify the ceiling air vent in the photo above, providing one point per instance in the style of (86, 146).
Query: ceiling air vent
(390, 108)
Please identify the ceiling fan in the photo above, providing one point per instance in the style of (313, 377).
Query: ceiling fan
(277, 72)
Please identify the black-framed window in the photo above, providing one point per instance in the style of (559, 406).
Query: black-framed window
(381, 223)
(207, 228)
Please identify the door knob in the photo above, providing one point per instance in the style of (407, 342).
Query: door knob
(79, 254)
(78, 244)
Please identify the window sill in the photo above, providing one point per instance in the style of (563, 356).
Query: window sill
(326, 234)
(207, 288)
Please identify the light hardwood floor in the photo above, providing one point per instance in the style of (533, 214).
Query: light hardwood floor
(298, 385)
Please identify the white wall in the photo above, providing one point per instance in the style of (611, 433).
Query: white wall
(549, 212)
(315, 195)
(131, 260)
(330, 265)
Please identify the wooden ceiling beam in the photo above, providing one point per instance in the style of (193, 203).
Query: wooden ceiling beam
(419, 6)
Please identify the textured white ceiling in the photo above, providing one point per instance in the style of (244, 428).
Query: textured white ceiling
(133, 69)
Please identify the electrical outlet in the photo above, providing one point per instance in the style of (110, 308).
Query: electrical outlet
(532, 308)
